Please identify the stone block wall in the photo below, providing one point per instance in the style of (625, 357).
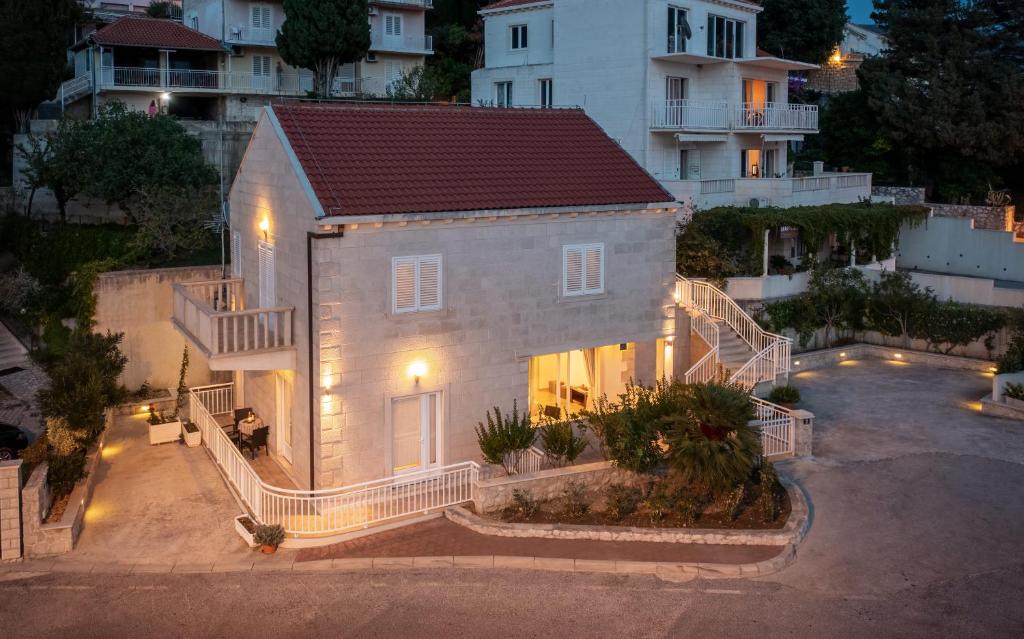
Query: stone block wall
(496, 494)
(901, 194)
(836, 78)
(10, 510)
(992, 218)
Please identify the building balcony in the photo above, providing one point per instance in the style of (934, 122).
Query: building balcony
(714, 116)
(409, 44)
(828, 188)
(248, 34)
(213, 317)
(204, 81)
(414, 4)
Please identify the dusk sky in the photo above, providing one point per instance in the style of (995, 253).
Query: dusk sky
(859, 11)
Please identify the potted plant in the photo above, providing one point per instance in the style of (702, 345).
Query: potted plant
(163, 428)
(268, 538)
(246, 529)
(190, 433)
(787, 396)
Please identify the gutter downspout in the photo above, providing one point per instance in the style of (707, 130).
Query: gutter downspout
(310, 236)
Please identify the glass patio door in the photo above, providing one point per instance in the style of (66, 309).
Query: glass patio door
(414, 428)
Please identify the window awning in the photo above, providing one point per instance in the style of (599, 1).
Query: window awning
(783, 137)
(702, 137)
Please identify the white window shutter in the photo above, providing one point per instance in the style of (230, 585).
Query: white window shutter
(572, 270)
(236, 253)
(430, 283)
(403, 285)
(267, 20)
(254, 12)
(268, 292)
(594, 282)
(398, 25)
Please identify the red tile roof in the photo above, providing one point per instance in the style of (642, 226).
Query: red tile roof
(136, 31)
(369, 159)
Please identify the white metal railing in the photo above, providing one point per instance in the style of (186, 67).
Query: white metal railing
(772, 352)
(711, 187)
(219, 399)
(249, 33)
(202, 79)
(691, 114)
(332, 510)
(383, 42)
(73, 88)
(819, 183)
(777, 427)
(707, 367)
(526, 461)
(776, 115)
(213, 313)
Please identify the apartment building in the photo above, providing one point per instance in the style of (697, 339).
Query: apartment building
(680, 84)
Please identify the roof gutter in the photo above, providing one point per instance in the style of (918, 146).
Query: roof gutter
(310, 237)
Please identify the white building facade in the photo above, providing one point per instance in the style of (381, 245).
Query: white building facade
(681, 85)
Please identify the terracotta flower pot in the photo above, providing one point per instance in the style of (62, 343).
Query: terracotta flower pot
(267, 549)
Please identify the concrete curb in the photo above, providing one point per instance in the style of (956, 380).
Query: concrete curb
(791, 534)
(669, 571)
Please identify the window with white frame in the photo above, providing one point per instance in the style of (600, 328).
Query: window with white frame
(546, 99)
(678, 30)
(392, 73)
(260, 16)
(517, 37)
(261, 65)
(236, 253)
(267, 275)
(416, 283)
(503, 94)
(725, 37)
(582, 269)
(393, 25)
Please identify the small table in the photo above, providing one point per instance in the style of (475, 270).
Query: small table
(246, 427)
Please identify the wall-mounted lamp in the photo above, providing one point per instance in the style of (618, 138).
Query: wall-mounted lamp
(264, 226)
(166, 97)
(417, 370)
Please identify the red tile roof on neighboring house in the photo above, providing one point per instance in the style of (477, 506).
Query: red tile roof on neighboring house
(137, 31)
(364, 159)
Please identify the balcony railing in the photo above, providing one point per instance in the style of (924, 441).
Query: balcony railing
(71, 90)
(426, 4)
(691, 114)
(417, 43)
(249, 33)
(802, 191)
(206, 80)
(776, 115)
(694, 115)
(213, 314)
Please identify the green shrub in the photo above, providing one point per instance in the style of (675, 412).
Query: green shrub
(735, 501)
(784, 395)
(561, 443)
(712, 445)
(688, 506)
(574, 500)
(630, 429)
(1013, 359)
(65, 471)
(272, 535)
(621, 501)
(1014, 391)
(504, 437)
(523, 505)
(658, 502)
(771, 490)
(953, 324)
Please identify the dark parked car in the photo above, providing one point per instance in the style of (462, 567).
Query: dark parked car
(12, 441)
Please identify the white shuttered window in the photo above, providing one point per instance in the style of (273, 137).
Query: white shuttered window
(416, 283)
(582, 269)
(267, 281)
(236, 253)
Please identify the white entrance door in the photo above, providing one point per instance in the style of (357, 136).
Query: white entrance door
(285, 423)
(415, 424)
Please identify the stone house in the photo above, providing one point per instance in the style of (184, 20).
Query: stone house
(399, 270)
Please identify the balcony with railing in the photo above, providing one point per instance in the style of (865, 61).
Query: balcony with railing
(212, 315)
(419, 4)
(204, 81)
(828, 188)
(248, 34)
(417, 44)
(718, 115)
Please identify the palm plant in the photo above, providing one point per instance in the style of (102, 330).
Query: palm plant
(712, 444)
(504, 438)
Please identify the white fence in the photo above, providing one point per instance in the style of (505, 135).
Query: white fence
(717, 115)
(776, 115)
(711, 187)
(207, 80)
(330, 510)
(213, 313)
(776, 426)
(690, 114)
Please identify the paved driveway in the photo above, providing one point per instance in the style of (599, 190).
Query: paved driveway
(163, 503)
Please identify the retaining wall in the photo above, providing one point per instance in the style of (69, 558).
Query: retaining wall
(496, 494)
(992, 218)
(900, 194)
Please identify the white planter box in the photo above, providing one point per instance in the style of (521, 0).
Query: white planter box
(242, 532)
(164, 433)
(192, 440)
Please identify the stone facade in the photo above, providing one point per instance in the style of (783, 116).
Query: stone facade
(502, 304)
(834, 78)
(10, 510)
(900, 194)
(496, 494)
(992, 218)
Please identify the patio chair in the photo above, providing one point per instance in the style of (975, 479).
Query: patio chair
(254, 442)
(239, 415)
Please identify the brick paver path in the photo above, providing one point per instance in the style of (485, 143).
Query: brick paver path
(442, 538)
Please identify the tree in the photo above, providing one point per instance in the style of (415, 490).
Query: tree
(58, 161)
(899, 307)
(173, 220)
(322, 35)
(835, 298)
(416, 85)
(807, 30)
(949, 92)
(33, 52)
(162, 9)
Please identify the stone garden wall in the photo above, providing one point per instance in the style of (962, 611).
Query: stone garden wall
(10, 510)
(900, 194)
(992, 218)
(496, 494)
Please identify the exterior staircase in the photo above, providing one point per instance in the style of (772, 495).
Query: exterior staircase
(733, 352)
(12, 353)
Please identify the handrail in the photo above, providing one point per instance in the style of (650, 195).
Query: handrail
(776, 424)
